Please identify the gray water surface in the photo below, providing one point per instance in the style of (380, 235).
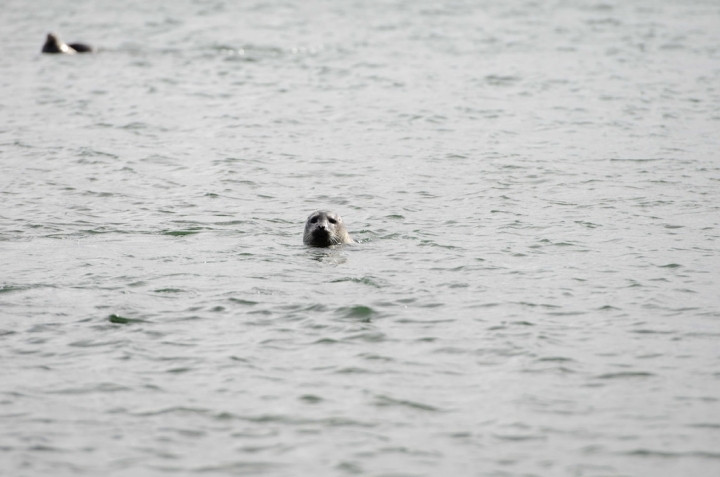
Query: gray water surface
(535, 187)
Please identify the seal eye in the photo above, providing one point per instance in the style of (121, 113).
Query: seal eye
(313, 220)
(332, 221)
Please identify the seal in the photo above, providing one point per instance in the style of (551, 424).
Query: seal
(324, 228)
(53, 44)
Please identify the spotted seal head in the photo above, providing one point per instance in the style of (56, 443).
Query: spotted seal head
(53, 44)
(324, 228)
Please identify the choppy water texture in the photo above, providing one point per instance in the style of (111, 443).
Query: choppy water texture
(535, 186)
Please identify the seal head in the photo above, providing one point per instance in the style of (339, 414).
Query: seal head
(53, 44)
(324, 228)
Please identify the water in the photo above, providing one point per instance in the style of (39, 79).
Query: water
(535, 190)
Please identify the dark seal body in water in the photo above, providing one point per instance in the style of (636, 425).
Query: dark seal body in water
(53, 44)
(324, 228)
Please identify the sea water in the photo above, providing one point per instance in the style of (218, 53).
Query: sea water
(534, 186)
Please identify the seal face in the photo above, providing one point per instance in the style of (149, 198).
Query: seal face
(324, 228)
(53, 44)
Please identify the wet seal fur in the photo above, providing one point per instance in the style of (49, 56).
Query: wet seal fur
(53, 44)
(324, 228)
